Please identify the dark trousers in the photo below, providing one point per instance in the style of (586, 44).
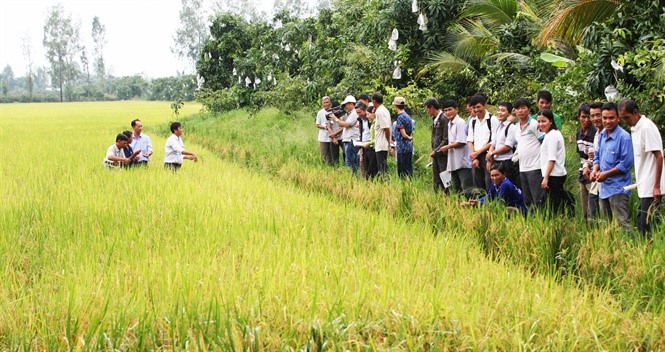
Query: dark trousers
(172, 166)
(462, 180)
(616, 206)
(405, 164)
(481, 178)
(369, 163)
(531, 190)
(334, 152)
(382, 162)
(594, 206)
(326, 152)
(643, 226)
(556, 194)
(438, 166)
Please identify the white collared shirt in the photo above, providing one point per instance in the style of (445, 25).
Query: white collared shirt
(173, 150)
(646, 140)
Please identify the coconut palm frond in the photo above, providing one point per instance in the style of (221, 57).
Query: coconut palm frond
(492, 12)
(471, 40)
(515, 58)
(445, 60)
(573, 16)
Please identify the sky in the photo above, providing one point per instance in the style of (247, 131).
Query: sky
(139, 33)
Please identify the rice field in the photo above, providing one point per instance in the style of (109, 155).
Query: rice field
(220, 257)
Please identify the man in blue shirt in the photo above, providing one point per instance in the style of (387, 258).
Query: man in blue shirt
(141, 142)
(611, 166)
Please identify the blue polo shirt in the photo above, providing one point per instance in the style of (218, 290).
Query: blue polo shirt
(508, 193)
(615, 150)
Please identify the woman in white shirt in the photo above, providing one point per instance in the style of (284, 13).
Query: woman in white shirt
(552, 160)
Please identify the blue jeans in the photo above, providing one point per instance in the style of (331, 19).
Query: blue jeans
(351, 156)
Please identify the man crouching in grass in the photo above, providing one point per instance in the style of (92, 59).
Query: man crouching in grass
(115, 156)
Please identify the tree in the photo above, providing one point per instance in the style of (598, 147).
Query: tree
(99, 40)
(61, 41)
(297, 8)
(243, 8)
(193, 32)
(7, 79)
(569, 18)
(27, 55)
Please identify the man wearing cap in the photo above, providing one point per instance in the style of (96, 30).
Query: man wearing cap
(350, 132)
(382, 126)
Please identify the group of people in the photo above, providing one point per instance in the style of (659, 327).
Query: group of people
(366, 135)
(132, 149)
(512, 155)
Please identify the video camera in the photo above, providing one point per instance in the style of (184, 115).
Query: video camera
(335, 110)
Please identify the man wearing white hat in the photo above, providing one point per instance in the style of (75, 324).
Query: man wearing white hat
(351, 132)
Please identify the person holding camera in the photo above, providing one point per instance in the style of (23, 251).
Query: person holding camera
(350, 132)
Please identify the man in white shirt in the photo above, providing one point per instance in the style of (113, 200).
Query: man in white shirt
(322, 124)
(481, 129)
(115, 156)
(503, 144)
(528, 138)
(141, 142)
(648, 151)
(174, 150)
(459, 164)
(382, 137)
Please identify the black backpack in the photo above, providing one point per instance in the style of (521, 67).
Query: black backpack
(489, 125)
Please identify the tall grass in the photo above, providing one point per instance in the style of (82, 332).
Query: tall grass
(286, 147)
(221, 257)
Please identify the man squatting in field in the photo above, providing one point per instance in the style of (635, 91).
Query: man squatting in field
(115, 156)
(174, 150)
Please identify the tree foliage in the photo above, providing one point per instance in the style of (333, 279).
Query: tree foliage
(193, 31)
(62, 44)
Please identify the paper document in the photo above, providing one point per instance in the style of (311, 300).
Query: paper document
(445, 178)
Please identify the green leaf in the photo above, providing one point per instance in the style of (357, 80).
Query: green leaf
(556, 60)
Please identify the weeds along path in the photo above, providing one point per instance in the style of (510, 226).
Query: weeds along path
(284, 147)
(220, 257)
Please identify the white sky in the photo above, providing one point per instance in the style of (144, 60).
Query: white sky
(139, 33)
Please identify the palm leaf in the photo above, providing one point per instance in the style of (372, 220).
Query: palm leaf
(445, 60)
(492, 12)
(571, 17)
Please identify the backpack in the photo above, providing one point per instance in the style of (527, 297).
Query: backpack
(489, 124)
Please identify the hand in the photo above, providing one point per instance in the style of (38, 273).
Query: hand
(545, 183)
(432, 154)
(443, 149)
(489, 157)
(125, 161)
(601, 176)
(586, 173)
(475, 163)
(474, 155)
(656, 192)
(593, 176)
